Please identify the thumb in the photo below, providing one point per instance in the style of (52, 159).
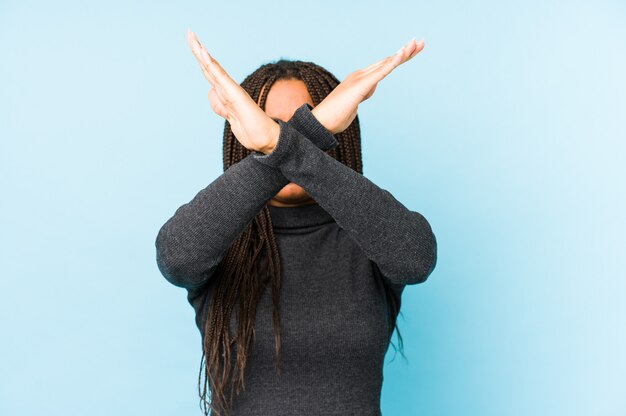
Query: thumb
(217, 105)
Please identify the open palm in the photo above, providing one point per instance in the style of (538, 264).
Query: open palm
(252, 127)
(257, 131)
(339, 108)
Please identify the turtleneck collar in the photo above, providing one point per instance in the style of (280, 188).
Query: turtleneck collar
(299, 217)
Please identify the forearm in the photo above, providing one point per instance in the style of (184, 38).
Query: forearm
(401, 242)
(194, 240)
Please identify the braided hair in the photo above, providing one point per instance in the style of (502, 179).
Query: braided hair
(253, 259)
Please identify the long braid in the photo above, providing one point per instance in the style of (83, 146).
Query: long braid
(253, 259)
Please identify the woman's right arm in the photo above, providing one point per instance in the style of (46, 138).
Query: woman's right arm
(190, 245)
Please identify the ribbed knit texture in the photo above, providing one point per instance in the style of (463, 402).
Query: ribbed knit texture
(335, 254)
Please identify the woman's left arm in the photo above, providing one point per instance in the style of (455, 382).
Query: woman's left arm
(400, 241)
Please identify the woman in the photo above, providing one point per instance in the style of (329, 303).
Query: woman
(293, 208)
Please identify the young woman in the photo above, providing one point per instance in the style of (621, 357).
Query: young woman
(294, 212)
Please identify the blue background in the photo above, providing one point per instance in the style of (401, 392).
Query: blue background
(506, 132)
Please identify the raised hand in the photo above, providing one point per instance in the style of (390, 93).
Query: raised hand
(339, 108)
(252, 127)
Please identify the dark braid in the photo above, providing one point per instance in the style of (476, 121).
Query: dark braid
(255, 253)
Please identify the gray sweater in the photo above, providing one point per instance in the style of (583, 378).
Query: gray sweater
(335, 255)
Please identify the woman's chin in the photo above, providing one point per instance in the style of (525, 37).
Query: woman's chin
(291, 194)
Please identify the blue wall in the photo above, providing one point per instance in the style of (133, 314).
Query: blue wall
(506, 132)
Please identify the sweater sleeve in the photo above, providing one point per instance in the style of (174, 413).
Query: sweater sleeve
(191, 244)
(399, 241)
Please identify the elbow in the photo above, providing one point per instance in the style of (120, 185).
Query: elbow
(178, 269)
(173, 271)
(424, 262)
(424, 267)
(415, 271)
(182, 273)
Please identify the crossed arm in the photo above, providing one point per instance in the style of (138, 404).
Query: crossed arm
(194, 240)
(191, 243)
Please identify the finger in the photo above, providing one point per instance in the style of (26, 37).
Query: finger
(207, 74)
(216, 70)
(385, 62)
(217, 104)
(224, 85)
(408, 51)
(377, 64)
(193, 44)
(407, 48)
(195, 48)
(208, 64)
(418, 48)
(403, 54)
(383, 70)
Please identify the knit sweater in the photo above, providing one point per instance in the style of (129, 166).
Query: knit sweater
(335, 257)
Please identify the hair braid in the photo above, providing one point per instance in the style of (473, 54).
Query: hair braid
(253, 259)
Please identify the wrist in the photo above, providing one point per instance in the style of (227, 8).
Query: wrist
(318, 113)
(274, 132)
